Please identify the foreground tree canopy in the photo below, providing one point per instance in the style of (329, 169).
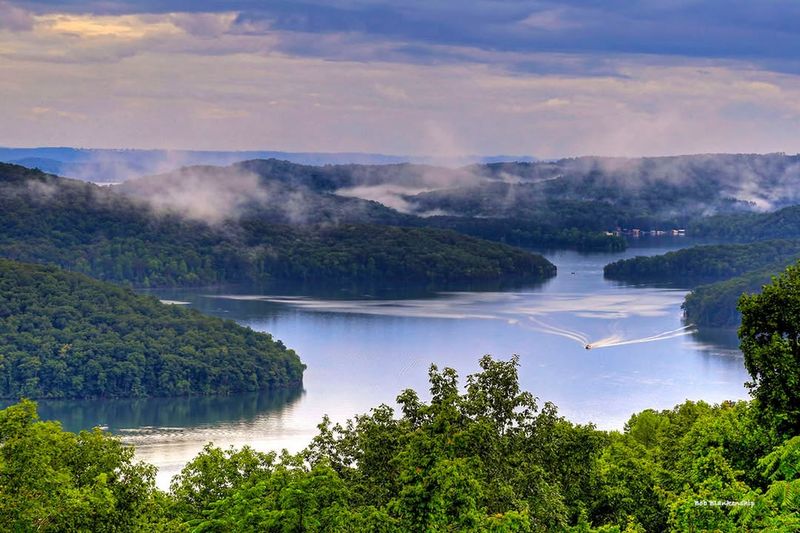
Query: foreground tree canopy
(484, 457)
(770, 334)
(64, 335)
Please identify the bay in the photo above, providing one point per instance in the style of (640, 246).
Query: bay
(364, 346)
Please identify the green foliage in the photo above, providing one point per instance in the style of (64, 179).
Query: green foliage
(64, 335)
(52, 480)
(747, 227)
(489, 459)
(473, 461)
(113, 237)
(703, 264)
(482, 456)
(770, 335)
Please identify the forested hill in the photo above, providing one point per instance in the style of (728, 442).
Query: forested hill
(717, 275)
(715, 304)
(97, 231)
(601, 193)
(703, 264)
(585, 194)
(65, 335)
(273, 191)
(287, 193)
(746, 227)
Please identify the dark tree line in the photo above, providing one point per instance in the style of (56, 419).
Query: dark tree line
(717, 275)
(109, 236)
(64, 335)
(703, 264)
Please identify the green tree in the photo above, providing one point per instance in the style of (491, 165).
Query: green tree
(52, 480)
(770, 341)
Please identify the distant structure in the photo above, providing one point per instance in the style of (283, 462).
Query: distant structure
(637, 232)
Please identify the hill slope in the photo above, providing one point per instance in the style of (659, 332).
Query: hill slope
(65, 335)
(703, 264)
(717, 275)
(114, 237)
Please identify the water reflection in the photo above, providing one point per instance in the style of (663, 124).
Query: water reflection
(718, 341)
(125, 415)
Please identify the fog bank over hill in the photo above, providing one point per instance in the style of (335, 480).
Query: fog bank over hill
(115, 166)
(584, 192)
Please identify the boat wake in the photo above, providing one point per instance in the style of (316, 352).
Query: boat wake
(618, 340)
(574, 335)
(610, 341)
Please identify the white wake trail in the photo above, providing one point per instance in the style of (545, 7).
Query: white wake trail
(576, 336)
(619, 341)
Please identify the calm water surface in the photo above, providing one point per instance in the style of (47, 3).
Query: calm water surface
(362, 351)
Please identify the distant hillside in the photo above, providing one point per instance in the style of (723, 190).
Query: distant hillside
(100, 232)
(587, 194)
(268, 190)
(288, 193)
(565, 203)
(715, 304)
(717, 275)
(65, 335)
(703, 264)
(114, 166)
(746, 227)
(602, 193)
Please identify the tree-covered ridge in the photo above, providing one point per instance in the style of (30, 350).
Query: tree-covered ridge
(715, 304)
(617, 191)
(530, 233)
(703, 264)
(717, 275)
(747, 227)
(648, 193)
(287, 193)
(110, 236)
(374, 253)
(64, 335)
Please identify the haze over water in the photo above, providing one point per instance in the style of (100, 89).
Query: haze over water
(361, 351)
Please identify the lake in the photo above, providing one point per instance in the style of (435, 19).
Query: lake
(362, 350)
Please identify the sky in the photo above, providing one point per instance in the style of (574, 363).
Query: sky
(417, 77)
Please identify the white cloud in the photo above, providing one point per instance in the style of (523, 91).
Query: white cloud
(206, 25)
(549, 20)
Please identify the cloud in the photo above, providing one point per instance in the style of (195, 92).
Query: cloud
(550, 20)
(38, 111)
(206, 194)
(206, 25)
(13, 18)
(716, 29)
(445, 78)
